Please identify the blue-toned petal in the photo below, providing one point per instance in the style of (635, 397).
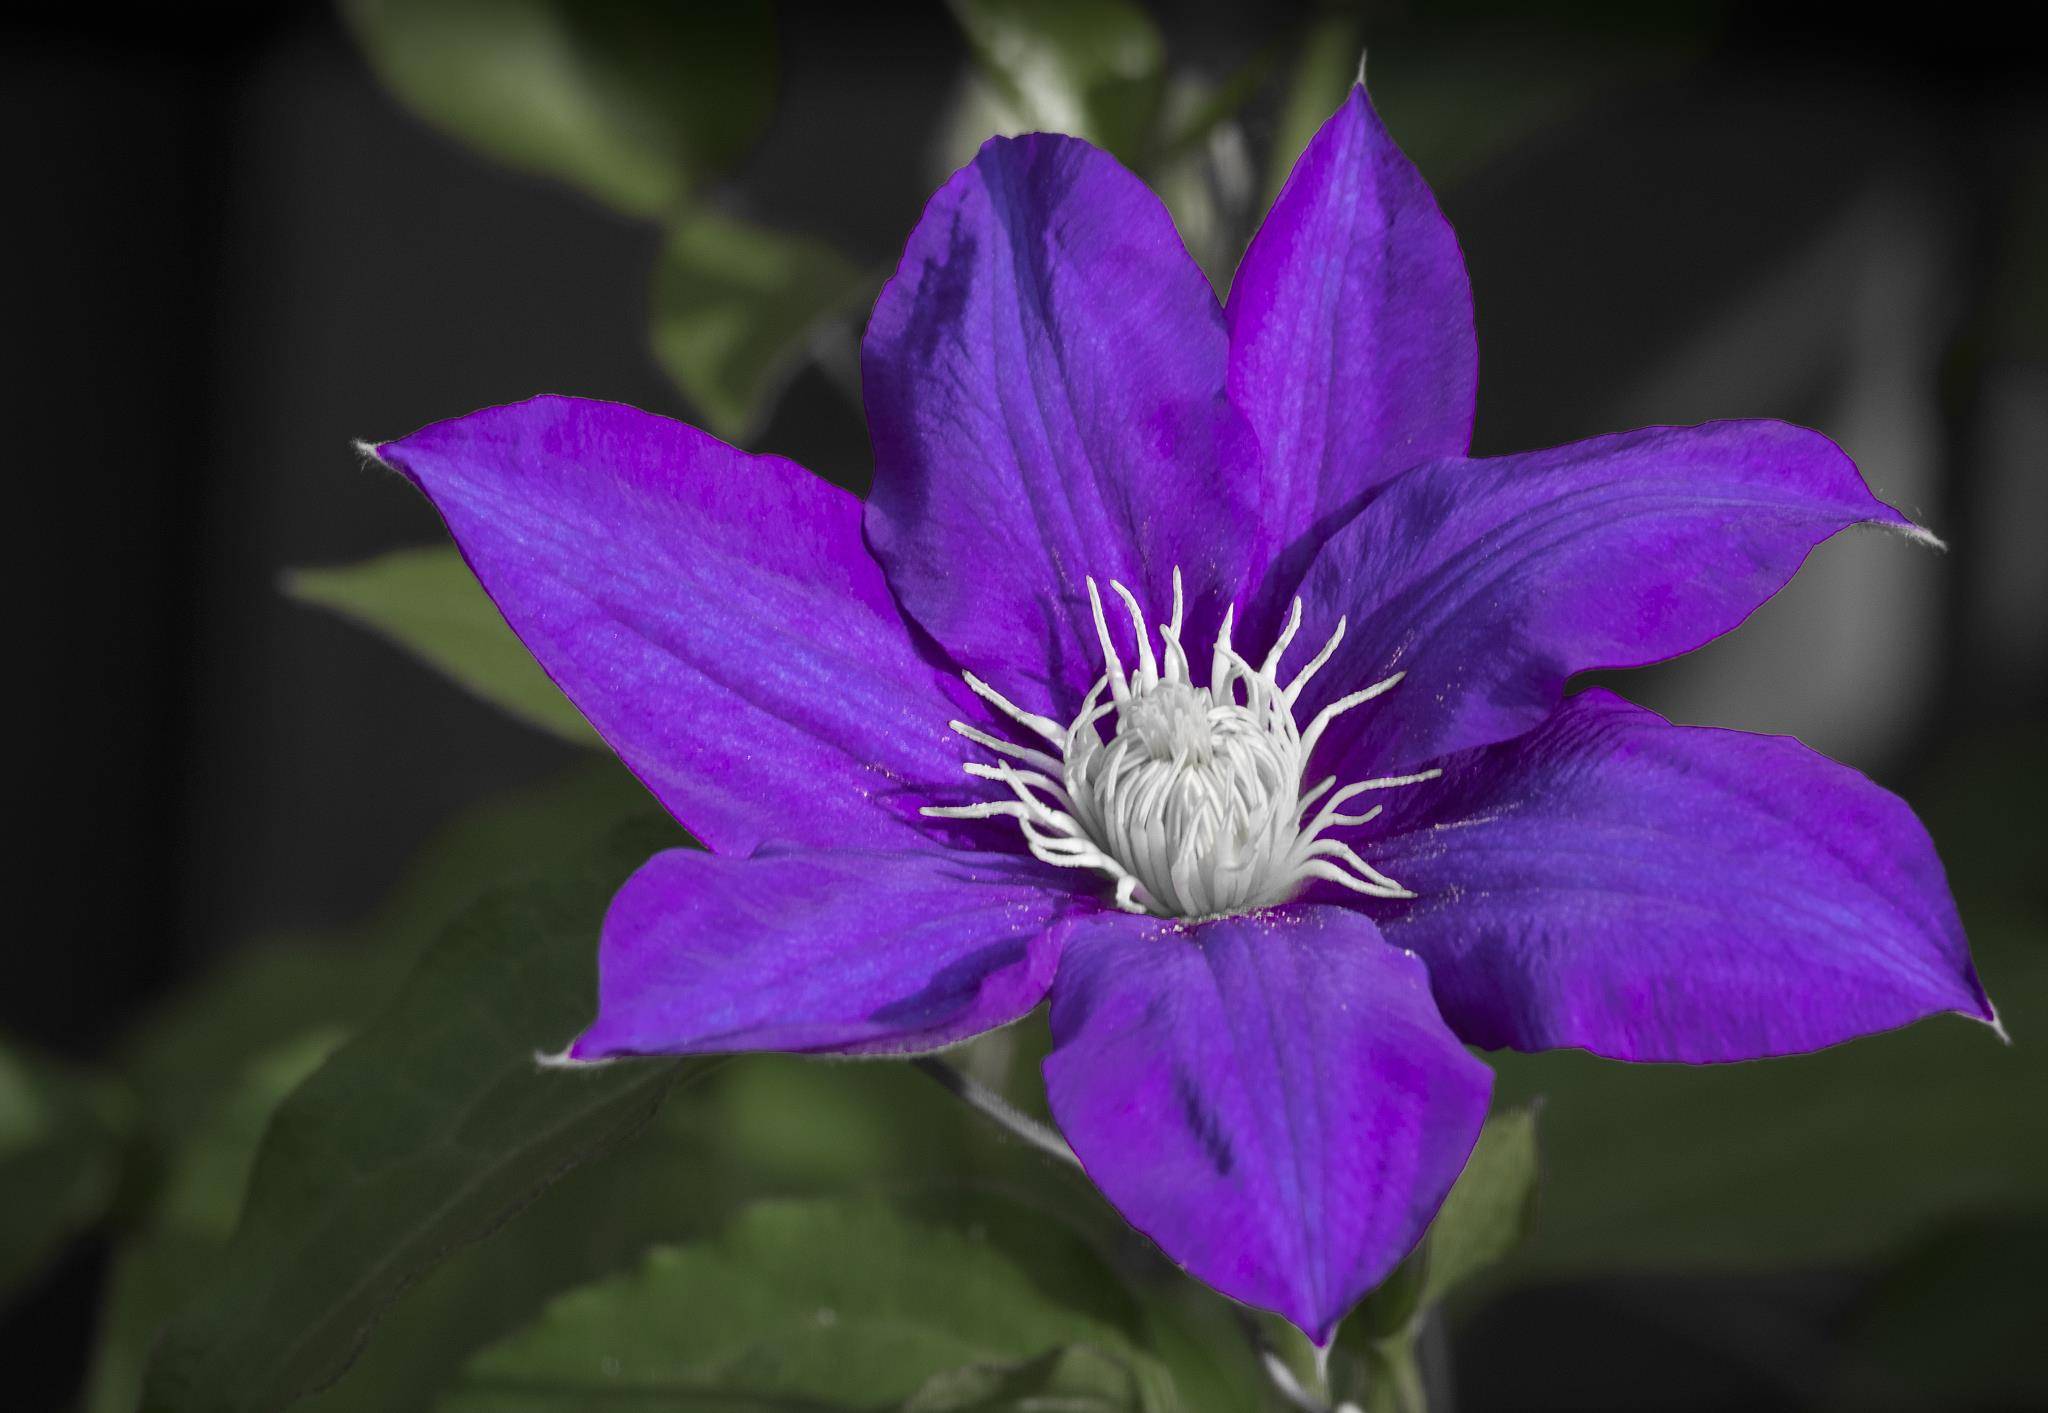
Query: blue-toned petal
(1351, 342)
(825, 950)
(714, 614)
(1489, 583)
(1271, 1098)
(1044, 379)
(1656, 892)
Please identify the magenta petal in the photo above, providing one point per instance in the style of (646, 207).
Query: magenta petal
(1271, 1098)
(1351, 341)
(1490, 582)
(1656, 892)
(714, 614)
(1044, 379)
(846, 951)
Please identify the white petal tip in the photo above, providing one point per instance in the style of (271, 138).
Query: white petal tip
(563, 1060)
(1920, 535)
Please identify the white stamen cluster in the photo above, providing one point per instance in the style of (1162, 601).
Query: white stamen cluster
(1195, 805)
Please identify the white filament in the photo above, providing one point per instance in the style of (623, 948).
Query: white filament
(1197, 803)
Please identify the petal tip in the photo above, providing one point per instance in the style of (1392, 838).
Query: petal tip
(1919, 534)
(577, 1055)
(1991, 1018)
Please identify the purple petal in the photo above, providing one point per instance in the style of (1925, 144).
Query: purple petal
(1490, 582)
(847, 951)
(1656, 892)
(1351, 341)
(714, 614)
(1045, 384)
(1271, 1098)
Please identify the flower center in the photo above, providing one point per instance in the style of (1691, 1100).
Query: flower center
(1196, 804)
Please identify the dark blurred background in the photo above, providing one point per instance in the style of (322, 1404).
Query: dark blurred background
(231, 252)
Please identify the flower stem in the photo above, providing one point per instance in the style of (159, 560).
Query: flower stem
(1394, 1377)
(980, 1096)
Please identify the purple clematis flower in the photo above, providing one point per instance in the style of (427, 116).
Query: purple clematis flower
(1182, 667)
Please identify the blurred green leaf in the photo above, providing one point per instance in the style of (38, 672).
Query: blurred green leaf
(190, 1212)
(736, 308)
(766, 1124)
(634, 101)
(1838, 1157)
(1454, 108)
(846, 1303)
(1955, 1323)
(1485, 1217)
(1491, 1208)
(1092, 68)
(60, 1158)
(1325, 66)
(196, 1045)
(427, 601)
(672, 1181)
(762, 1124)
(422, 1133)
(211, 1064)
(1196, 109)
(1079, 1377)
(790, 1126)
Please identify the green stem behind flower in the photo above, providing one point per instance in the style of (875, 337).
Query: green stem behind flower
(1394, 1377)
(980, 1096)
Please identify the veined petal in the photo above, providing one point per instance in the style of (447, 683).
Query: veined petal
(1271, 1098)
(1489, 583)
(714, 614)
(1657, 892)
(1044, 379)
(1351, 342)
(833, 950)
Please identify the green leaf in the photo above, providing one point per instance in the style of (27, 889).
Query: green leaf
(1092, 68)
(190, 1213)
(60, 1158)
(210, 1065)
(765, 1123)
(196, 1046)
(670, 1182)
(736, 309)
(423, 1133)
(636, 102)
(768, 1123)
(1078, 1377)
(1491, 1208)
(787, 1125)
(1485, 1217)
(850, 1303)
(428, 602)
